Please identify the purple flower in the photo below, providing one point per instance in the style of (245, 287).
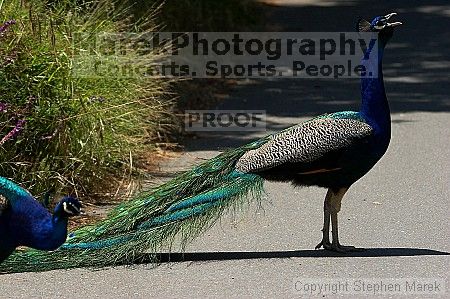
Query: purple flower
(5, 25)
(14, 132)
(19, 126)
(3, 107)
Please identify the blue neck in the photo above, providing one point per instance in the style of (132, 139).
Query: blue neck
(48, 235)
(59, 227)
(374, 106)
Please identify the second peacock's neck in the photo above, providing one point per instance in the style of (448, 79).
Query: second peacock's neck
(374, 105)
(48, 234)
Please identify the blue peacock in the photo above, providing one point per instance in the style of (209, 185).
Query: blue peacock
(331, 151)
(26, 222)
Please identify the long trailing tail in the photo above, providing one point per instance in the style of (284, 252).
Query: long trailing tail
(139, 229)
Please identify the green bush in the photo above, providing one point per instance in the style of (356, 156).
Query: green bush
(67, 133)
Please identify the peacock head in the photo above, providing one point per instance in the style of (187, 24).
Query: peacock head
(67, 207)
(380, 25)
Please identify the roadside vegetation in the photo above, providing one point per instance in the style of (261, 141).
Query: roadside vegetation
(67, 133)
(91, 136)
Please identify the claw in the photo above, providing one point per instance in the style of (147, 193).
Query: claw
(325, 245)
(338, 247)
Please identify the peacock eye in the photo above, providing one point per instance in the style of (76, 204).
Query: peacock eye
(379, 23)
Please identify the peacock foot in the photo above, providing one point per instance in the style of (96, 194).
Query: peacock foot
(337, 247)
(325, 244)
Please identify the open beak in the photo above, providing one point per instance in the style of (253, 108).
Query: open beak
(394, 24)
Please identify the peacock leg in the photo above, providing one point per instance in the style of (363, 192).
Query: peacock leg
(325, 243)
(335, 204)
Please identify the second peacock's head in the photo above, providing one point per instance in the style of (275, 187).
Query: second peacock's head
(68, 206)
(380, 25)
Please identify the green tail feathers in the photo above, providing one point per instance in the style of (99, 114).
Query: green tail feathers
(139, 229)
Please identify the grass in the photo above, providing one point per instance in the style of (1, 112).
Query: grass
(66, 129)
(67, 133)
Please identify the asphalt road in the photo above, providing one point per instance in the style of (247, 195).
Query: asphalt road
(399, 211)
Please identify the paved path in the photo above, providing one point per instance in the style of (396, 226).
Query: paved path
(399, 211)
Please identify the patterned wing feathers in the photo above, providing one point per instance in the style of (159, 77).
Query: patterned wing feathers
(304, 143)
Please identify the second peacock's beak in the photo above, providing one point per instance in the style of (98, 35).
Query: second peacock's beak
(394, 24)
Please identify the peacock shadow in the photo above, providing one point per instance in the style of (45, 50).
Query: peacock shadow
(248, 255)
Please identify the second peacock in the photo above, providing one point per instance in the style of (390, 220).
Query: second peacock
(331, 151)
(26, 222)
